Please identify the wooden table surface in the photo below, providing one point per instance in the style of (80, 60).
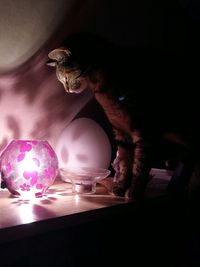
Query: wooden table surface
(21, 218)
(64, 229)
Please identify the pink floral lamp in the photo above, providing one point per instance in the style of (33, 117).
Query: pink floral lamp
(28, 167)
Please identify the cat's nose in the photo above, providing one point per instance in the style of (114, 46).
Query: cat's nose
(66, 87)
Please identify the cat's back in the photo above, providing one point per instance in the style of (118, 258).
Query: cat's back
(163, 90)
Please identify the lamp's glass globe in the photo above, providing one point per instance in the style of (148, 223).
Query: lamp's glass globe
(28, 167)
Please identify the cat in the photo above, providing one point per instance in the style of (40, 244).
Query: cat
(141, 95)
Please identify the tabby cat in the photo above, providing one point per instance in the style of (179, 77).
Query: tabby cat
(132, 94)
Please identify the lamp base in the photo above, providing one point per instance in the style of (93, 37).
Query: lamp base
(84, 188)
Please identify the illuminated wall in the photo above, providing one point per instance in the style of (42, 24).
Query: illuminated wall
(33, 103)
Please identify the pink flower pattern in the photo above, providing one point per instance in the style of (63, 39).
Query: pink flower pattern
(8, 167)
(33, 175)
(36, 161)
(34, 142)
(49, 172)
(39, 186)
(50, 151)
(24, 146)
(25, 187)
(20, 157)
(38, 179)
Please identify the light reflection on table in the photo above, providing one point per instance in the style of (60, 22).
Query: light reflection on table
(59, 202)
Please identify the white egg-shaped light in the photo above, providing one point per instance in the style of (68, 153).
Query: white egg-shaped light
(83, 143)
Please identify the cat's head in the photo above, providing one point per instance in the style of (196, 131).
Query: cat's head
(80, 62)
(68, 70)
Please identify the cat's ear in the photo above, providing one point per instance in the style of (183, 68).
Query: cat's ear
(57, 55)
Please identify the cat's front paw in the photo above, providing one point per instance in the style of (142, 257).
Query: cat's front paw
(114, 188)
(134, 194)
(130, 193)
(136, 191)
(118, 190)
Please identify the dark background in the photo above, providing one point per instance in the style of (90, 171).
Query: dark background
(33, 104)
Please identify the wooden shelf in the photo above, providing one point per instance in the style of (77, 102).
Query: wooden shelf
(58, 208)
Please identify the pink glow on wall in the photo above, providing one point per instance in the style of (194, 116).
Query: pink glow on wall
(33, 104)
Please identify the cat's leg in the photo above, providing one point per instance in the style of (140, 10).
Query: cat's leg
(141, 166)
(123, 169)
(122, 164)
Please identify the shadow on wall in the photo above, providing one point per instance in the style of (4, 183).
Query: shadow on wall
(33, 104)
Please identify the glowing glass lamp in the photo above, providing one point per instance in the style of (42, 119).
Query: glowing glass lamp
(28, 167)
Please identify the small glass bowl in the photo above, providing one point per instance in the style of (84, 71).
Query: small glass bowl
(83, 179)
